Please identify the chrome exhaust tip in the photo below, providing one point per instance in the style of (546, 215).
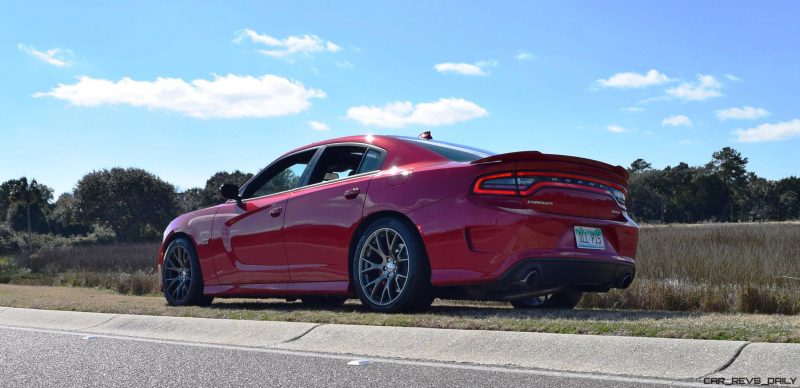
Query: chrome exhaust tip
(625, 280)
(531, 278)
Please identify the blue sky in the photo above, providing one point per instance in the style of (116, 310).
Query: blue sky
(185, 89)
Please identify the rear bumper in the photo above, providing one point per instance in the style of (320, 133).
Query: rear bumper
(539, 276)
(470, 242)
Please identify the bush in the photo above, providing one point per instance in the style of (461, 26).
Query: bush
(99, 258)
(10, 241)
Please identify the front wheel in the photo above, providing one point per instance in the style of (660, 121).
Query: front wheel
(390, 268)
(561, 300)
(181, 277)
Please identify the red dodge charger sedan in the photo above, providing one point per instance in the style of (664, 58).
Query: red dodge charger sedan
(400, 221)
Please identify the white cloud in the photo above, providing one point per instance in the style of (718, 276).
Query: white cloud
(402, 113)
(743, 113)
(632, 109)
(284, 48)
(477, 68)
(617, 128)
(344, 65)
(706, 87)
(676, 121)
(230, 96)
(524, 55)
(56, 56)
(732, 77)
(318, 126)
(769, 132)
(632, 80)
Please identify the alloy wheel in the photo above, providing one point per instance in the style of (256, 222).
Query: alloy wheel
(383, 266)
(177, 273)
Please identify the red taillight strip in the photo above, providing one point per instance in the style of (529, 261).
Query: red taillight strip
(478, 190)
(567, 185)
(565, 175)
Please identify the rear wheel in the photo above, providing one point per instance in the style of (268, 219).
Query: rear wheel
(181, 277)
(561, 300)
(390, 268)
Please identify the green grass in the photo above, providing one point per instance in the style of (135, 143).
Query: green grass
(443, 314)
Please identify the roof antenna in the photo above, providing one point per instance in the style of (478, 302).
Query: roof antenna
(425, 135)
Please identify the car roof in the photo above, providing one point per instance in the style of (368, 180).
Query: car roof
(386, 142)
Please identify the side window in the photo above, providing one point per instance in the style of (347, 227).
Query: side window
(337, 162)
(372, 161)
(284, 175)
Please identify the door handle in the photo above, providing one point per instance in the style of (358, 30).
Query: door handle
(276, 211)
(352, 193)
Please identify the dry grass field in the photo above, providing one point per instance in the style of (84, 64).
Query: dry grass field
(731, 268)
(748, 267)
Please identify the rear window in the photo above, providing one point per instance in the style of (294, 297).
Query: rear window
(454, 152)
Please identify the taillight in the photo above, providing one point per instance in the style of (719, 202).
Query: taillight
(527, 182)
(496, 184)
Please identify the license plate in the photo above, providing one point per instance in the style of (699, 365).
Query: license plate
(589, 238)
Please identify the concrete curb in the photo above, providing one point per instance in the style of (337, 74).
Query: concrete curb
(216, 331)
(631, 356)
(47, 319)
(765, 360)
(636, 356)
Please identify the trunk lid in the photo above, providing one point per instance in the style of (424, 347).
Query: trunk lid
(565, 185)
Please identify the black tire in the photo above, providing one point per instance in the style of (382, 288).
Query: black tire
(323, 301)
(561, 300)
(181, 276)
(408, 260)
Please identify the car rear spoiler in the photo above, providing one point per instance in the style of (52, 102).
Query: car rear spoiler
(538, 156)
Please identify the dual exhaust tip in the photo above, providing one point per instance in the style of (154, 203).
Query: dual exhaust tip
(623, 281)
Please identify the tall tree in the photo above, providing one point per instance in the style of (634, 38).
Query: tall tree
(137, 205)
(639, 165)
(730, 166)
(209, 195)
(26, 195)
(64, 217)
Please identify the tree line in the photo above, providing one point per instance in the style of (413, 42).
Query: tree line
(720, 191)
(130, 203)
(135, 205)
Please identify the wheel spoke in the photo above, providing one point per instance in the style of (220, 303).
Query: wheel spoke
(377, 250)
(376, 283)
(370, 266)
(388, 244)
(171, 285)
(379, 278)
(391, 245)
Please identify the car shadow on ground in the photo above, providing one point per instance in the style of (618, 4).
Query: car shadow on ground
(459, 309)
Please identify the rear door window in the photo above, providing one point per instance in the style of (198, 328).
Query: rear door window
(372, 161)
(337, 162)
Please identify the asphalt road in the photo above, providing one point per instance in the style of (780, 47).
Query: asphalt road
(30, 357)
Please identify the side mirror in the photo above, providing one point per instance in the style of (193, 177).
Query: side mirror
(230, 191)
